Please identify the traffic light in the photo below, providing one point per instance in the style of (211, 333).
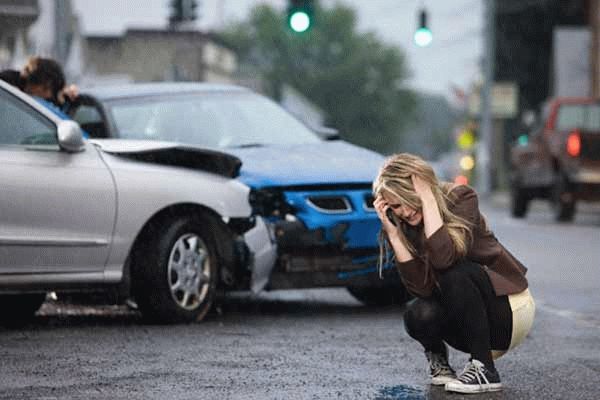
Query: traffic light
(176, 11)
(192, 9)
(523, 140)
(466, 139)
(300, 15)
(423, 35)
(183, 10)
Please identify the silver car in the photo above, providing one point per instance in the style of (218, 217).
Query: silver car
(168, 222)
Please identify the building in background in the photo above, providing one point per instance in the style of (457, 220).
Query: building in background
(160, 55)
(542, 49)
(16, 16)
(52, 29)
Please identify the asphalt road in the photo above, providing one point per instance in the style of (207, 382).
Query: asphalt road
(316, 344)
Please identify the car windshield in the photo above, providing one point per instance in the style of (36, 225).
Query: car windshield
(582, 116)
(215, 120)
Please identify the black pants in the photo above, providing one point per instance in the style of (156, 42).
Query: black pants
(465, 313)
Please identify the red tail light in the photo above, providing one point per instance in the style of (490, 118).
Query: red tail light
(574, 144)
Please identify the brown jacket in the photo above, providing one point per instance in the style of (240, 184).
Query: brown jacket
(506, 273)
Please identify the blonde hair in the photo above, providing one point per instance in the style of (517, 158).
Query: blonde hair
(394, 180)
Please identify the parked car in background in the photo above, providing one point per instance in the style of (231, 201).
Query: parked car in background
(314, 194)
(166, 222)
(559, 160)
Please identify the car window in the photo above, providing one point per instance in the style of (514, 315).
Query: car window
(210, 119)
(583, 116)
(22, 125)
(90, 120)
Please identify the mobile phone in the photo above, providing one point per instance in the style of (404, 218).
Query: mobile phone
(390, 216)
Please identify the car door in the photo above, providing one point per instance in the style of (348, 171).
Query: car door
(57, 209)
(90, 116)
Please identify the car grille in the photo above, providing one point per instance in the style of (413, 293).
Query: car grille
(369, 199)
(330, 204)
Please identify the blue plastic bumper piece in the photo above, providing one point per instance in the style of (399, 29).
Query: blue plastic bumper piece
(360, 224)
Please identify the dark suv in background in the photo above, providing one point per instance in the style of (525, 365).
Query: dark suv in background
(559, 159)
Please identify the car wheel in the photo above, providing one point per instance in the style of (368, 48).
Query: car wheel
(174, 271)
(20, 307)
(519, 200)
(563, 202)
(373, 296)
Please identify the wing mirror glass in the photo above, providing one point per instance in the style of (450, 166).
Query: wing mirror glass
(70, 136)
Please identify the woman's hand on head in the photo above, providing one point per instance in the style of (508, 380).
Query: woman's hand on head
(422, 188)
(432, 218)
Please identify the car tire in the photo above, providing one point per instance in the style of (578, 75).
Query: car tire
(380, 296)
(519, 200)
(563, 203)
(174, 271)
(16, 308)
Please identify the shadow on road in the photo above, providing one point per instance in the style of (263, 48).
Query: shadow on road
(274, 306)
(237, 306)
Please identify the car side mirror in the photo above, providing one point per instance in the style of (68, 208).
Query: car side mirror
(70, 136)
(328, 133)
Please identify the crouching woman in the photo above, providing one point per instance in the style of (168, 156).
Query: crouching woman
(471, 292)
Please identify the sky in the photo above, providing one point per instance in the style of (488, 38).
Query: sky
(452, 59)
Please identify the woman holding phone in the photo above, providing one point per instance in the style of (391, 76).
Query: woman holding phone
(471, 292)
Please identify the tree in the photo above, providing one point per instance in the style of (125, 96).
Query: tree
(432, 128)
(354, 77)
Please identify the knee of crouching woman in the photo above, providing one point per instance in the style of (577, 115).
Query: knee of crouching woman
(422, 316)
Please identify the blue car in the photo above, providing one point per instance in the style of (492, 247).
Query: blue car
(313, 193)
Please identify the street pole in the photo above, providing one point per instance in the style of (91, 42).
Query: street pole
(486, 130)
(61, 22)
(594, 12)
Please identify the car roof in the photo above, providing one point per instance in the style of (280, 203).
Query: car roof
(133, 90)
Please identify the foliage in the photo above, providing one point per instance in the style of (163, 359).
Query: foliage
(431, 132)
(354, 77)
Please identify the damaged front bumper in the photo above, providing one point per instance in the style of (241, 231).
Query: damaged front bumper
(321, 258)
(264, 254)
(322, 238)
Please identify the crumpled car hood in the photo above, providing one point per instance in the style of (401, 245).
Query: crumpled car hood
(325, 163)
(173, 154)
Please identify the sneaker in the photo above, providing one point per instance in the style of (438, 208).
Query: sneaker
(439, 368)
(475, 378)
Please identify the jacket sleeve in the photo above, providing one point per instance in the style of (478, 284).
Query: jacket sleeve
(439, 246)
(417, 277)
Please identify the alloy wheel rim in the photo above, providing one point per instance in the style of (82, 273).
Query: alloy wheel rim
(189, 271)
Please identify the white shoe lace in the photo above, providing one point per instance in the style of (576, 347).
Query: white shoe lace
(439, 366)
(474, 370)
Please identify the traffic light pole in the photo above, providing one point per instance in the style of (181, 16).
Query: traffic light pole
(486, 133)
(61, 26)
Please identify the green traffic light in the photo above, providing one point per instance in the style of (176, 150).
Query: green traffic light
(523, 140)
(423, 37)
(299, 21)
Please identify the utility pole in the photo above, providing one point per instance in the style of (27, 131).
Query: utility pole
(594, 12)
(486, 125)
(61, 30)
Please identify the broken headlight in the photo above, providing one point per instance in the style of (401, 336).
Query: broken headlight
(269, 203)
